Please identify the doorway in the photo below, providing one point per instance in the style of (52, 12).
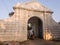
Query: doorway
(36, 24)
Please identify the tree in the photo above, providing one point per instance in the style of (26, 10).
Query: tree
(11, 14)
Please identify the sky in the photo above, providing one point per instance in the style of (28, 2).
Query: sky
(6, 6)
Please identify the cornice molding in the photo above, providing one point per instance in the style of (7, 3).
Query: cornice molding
(43, 11)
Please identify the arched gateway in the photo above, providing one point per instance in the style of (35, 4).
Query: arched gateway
(32, 14)
(37, 25)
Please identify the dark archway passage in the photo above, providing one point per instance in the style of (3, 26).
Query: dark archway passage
(37, 25)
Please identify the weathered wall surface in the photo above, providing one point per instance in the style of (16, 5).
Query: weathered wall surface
(13, 28)
(52, 26)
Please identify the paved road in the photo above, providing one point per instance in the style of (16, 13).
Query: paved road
(40, 42)
(33, 42)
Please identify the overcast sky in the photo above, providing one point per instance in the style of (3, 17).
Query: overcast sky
(6, 6)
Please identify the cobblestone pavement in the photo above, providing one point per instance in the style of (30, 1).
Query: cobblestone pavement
(33, 42)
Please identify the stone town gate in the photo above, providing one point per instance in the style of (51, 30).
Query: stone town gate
(34, 14)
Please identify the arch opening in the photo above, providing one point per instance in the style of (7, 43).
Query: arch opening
(36, 25)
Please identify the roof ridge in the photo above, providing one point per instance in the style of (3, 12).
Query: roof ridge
(33, 5)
